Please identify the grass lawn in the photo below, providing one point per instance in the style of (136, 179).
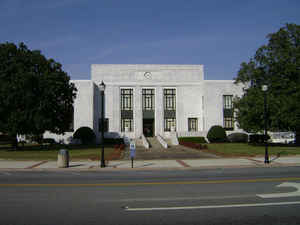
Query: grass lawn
(35, 152)
(242, 149)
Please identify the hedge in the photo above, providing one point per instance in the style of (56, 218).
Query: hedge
(200, 140)
(238, 138)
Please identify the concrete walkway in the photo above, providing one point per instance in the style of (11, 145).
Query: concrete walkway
(155, 164)
(157, 152)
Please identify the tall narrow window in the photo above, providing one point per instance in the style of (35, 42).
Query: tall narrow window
(126, 109)
(227, 102)
(228, 123)
(192, 124)
(228, 112)
(126, 99)
(126, 124)
(148, 99)
(169, 123)
(170, 99)
(169, 109)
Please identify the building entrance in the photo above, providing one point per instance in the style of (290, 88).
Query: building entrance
(148, 111)
(148, 127)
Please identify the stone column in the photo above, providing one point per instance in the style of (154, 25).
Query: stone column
(180, 119)
(116, 123)
(138, 112)
(202, 122)
(159, 111)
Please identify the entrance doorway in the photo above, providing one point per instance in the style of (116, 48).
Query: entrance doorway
(148, 127)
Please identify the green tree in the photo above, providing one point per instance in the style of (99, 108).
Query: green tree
(277, 65)
(35, 93)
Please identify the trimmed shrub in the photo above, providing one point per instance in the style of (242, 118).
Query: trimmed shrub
(238, 138)
(114, 141)
(49, 141)
(200, 140)
(37, 138)
(257, 138)
(216, 134)
(5, 139)
(85, 134)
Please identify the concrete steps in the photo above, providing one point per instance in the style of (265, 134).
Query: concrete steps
(139, 142)
(169, 142)
(154, 143)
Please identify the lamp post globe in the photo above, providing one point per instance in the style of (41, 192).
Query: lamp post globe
(102, 89)
(265, 89)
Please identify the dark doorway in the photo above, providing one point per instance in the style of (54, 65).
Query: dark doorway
(148, 127)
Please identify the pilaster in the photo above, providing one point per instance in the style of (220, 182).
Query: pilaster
(116, 120)
(138, 113)
(159, 111)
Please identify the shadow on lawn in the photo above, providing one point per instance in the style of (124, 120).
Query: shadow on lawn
(274, 144)
(48, 147)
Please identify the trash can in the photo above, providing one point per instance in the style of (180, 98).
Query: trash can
(63, 158)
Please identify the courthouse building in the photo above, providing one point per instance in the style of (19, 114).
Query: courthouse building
(152, 100)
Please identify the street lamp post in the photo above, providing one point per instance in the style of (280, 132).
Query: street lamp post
(102, 89)
(265, 89)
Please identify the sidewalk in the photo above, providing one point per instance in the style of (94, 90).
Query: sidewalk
(155, 164)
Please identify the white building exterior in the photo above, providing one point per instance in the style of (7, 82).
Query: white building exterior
(152, 100)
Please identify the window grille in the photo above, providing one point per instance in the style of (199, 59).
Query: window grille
(228, 123)
(127, 109)
(170, 99)
(227, 102)
(192, 124)
(126, 123)
(126, 99)
(169, 122)
(148, 99)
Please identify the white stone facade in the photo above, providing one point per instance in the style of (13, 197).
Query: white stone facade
(196, 98)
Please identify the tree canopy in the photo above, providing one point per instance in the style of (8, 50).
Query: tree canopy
(36, 95)
(276, 65)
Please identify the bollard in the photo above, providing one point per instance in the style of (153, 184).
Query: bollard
(63, 159)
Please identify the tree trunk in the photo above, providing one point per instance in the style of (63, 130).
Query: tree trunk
(15, 145)
(298, 137)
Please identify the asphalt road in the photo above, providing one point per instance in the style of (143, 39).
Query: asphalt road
(220, 196)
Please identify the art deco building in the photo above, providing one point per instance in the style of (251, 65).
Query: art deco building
(153, 100)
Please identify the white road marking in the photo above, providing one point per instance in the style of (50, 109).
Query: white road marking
(178, 198)
(77, 174)
(126, 208)
(284, 195)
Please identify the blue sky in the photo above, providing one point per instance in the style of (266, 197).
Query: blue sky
(77, 33)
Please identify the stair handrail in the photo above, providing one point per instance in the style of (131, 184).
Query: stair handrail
(162, 141)
(145, 142)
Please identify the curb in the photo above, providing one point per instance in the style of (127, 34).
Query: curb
(112, 169)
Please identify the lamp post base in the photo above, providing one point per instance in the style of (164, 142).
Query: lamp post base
(266, 153)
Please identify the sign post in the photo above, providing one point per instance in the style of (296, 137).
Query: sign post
(132, 152)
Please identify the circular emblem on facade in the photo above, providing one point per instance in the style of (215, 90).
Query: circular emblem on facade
(148, 75)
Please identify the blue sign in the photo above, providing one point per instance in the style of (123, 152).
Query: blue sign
(132, 149)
